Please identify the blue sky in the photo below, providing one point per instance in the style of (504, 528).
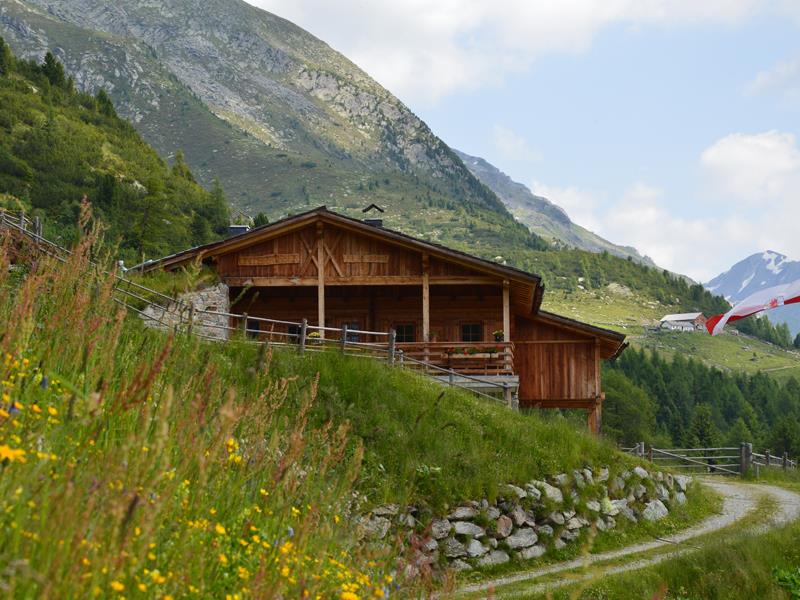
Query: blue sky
(668, 125)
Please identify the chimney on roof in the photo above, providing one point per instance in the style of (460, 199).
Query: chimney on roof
(376, 221)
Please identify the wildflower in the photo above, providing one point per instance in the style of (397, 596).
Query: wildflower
(295, 512)
(53, 412)
(142, 587)
(12, 454)
(219, 529)
(285, 571)
(348, 596)
(243, 573)
(117, 586)
(223, 559)
(35, 408)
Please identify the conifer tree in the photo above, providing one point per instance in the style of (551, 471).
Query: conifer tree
(54, 70)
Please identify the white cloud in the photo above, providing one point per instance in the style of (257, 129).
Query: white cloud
(782, 79)
(754, 167)
(513, 146)
(423, 51)
(582, 206)
(754, 186)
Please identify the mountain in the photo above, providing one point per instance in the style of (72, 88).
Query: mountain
(542, 216)
(756, 272)
(57, 145)
(284, 121)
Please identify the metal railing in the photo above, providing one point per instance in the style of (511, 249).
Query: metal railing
(178, 315)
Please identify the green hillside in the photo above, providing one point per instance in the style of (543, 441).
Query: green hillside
(164, 465)
(58, 145)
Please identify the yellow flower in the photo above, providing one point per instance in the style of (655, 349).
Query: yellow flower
(295, 512)
(219, 529)
(223, 559)
(35, 408)
(12, 454)
(117, 586)
(53, 412)
(142, 587)
(4, 413)
(348, 596)
(285, 571)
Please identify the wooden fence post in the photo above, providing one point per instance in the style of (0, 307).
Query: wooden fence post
(742, 458)
(22, 220)
(785, 460)
(392, 340)
(767, 457)
(748, 458)
(244, 324)
(650, 454)
(452, 378)
(301, 348)
(640, 449)
(343, 341)
(507, 395)
(191, 319)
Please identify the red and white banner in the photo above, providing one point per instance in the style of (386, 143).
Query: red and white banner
(780, 295)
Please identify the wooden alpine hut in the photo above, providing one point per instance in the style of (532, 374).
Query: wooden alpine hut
(472, 316)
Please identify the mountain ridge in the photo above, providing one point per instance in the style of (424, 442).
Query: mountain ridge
(541, 215)
(760, 271)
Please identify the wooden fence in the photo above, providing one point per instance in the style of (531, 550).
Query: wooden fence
(712, 461)
(174, 314)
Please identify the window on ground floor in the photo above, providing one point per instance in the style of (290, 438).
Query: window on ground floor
(405, 333)
(471, 332)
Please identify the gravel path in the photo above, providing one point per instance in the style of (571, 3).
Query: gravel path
(738, 500)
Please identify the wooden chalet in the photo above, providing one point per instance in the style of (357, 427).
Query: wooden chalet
(447, 308)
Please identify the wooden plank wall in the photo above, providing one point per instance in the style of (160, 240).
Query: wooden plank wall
(554, 364)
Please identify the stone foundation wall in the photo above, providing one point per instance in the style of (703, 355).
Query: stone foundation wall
(214, 298)
(527, 522)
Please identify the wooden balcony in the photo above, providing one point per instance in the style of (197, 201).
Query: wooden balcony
(469, 358)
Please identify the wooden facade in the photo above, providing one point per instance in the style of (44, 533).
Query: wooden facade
(446, 306)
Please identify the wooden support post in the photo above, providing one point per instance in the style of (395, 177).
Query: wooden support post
(343, 341)
(426, 305)
(392, 342)
(22, 220)
(785, 460)
(596, 415)
(244, 324)
(650, 454)
(506, 323)
(507, 396)
(321, 280)
(766, 454)
(301, 348)
(451, 378)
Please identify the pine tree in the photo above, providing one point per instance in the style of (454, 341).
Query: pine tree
(54, 70)
(6, 59)
(180, 168)
(104, 104)
(260, 220)
(797, 341)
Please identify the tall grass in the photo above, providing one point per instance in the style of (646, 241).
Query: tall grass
(135, 464)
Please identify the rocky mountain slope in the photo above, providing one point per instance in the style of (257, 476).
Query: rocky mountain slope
(284, 121)
(542, 216)
(756, 272)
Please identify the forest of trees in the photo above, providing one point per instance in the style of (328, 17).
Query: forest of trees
(58, 145)
(682, 402)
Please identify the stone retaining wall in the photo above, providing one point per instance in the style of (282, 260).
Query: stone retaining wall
(214, 298)
(527, 522)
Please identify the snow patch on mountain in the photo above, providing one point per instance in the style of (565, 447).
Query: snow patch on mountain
(757, 272)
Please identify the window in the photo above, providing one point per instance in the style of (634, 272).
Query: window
(405, 333)
(471, 332)
(253, 328)
(352, 326)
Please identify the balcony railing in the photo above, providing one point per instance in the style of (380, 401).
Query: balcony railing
(474, 358)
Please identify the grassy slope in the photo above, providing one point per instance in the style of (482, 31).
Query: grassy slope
(633, 314)
(131, 453)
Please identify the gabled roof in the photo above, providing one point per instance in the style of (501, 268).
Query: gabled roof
(611, 342)
(322, 213)
(682, 317)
